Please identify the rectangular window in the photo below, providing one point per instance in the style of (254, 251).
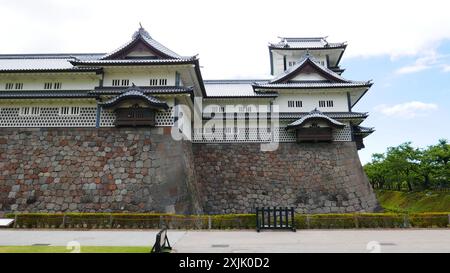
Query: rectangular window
(24, 111)
(162, 81)
(63, 111)
(116, 82)
(19, 85)
(9, 86)
(35, 111)
(74, 110)
(30, 111)
(69, 111)
(153, 82)
(328, 103)
(48, 85)
(125, 82)
(297, 103)
(57, 85)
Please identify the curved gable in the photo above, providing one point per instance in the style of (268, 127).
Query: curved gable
(308, 70)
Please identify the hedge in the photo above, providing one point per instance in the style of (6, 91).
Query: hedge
(226, 221)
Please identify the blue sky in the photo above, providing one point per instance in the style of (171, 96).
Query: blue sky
(422, 125)
(404, 46)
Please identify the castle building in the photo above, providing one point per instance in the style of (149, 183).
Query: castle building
(138, 129)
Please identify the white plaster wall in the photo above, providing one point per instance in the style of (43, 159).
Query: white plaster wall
(234, 105)
(8, 103)
(140, 77)
(294, 56)
(36, 82)
(311, 101)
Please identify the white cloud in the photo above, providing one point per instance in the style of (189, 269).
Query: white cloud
(446, 68)
(412, 68)
(230, 36)
(407, 110)
(429, 59)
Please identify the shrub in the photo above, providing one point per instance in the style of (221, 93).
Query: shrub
(429, 220)
(87, 220)
(224, 221)
(331, 221)
(138, 220)
(38, 220)
(233, 221)
(380, 220)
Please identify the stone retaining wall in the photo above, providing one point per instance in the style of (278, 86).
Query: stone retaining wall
(90, 170)
(145, 170)
(314, 178)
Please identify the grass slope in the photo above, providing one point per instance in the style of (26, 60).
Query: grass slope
(84, 249)
(427, 201)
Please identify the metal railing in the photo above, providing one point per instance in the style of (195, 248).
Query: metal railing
(275, 218)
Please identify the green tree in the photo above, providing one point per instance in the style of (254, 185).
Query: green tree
(440, 156)
(403, 160)
(412, 168)
(376, 171)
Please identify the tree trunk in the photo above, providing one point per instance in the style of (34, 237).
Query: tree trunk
(409, 185)
(426, 182)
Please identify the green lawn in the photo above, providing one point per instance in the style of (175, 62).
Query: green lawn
(427, 201)
(84, 249)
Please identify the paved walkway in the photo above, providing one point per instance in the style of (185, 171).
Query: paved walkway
(410, 240)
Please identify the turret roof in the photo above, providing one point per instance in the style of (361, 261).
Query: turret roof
(135, 92)
(305, 43)
(316, 114)
(142, 35)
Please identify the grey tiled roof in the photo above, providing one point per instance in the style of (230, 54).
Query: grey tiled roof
(133, 61)
(336, 115)
(69, 62)
(311, 84)
(144, 90)
(314, 114)
(44, 94)
(310, 59)
(305, 43)
(360, 130)
(232, 88)
(143, 34)
(134, 93)
(32, 63)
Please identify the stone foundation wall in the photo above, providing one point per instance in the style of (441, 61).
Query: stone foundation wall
(145, 170)
(314, 178)
(90, 170)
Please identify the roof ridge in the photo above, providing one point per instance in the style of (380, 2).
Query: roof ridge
(144, 36)
(229, 81)
(46, 55)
